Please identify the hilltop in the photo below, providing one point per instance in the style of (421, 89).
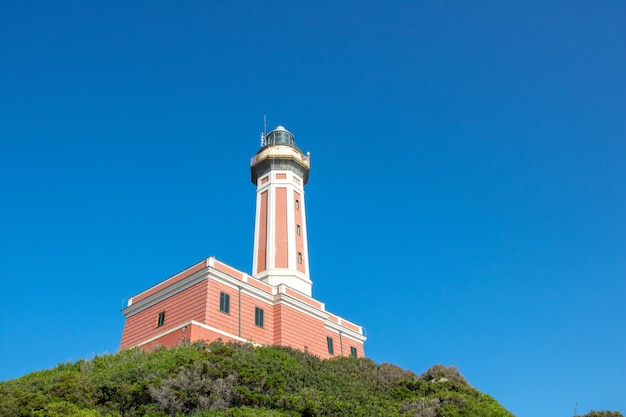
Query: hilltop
(239, 380)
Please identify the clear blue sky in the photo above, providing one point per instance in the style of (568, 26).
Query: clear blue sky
(470, 157)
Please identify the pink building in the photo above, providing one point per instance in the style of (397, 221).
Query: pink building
(273, 306)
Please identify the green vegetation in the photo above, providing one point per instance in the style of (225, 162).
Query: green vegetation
(232, 380)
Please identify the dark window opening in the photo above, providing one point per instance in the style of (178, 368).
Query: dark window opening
(258, 316)
(353, 351)
(329, 342)
(224, 303)
(161, 319)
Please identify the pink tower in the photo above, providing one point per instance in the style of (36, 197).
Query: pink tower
(273, 306)
(280, 171)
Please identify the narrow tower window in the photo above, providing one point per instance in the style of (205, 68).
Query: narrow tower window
(297, 204)
(224, 303)
(298, 231)
(299, 257)
(353, 352)
(161, 319)
(258, 316)
(329, 342)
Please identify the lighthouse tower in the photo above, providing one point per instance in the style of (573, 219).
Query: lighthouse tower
(280, 171)
(211, 300)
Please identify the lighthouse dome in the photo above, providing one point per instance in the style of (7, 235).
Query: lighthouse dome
(280, 136)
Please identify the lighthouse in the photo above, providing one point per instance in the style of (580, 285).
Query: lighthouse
(271, 305)
(280, 171)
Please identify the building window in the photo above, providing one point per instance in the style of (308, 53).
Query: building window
(329, 342)
(258, 316)
(298, 230)
(161, 319)
(353, 352)
(224, 303)
(299, 257)
(297, 204)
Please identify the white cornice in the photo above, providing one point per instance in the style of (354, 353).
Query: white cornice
(278, 297)
(166, 292)
(204, 261)
(236, 283)
(195, 323)
(206, 273)
(346, 332)
(282, 298)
